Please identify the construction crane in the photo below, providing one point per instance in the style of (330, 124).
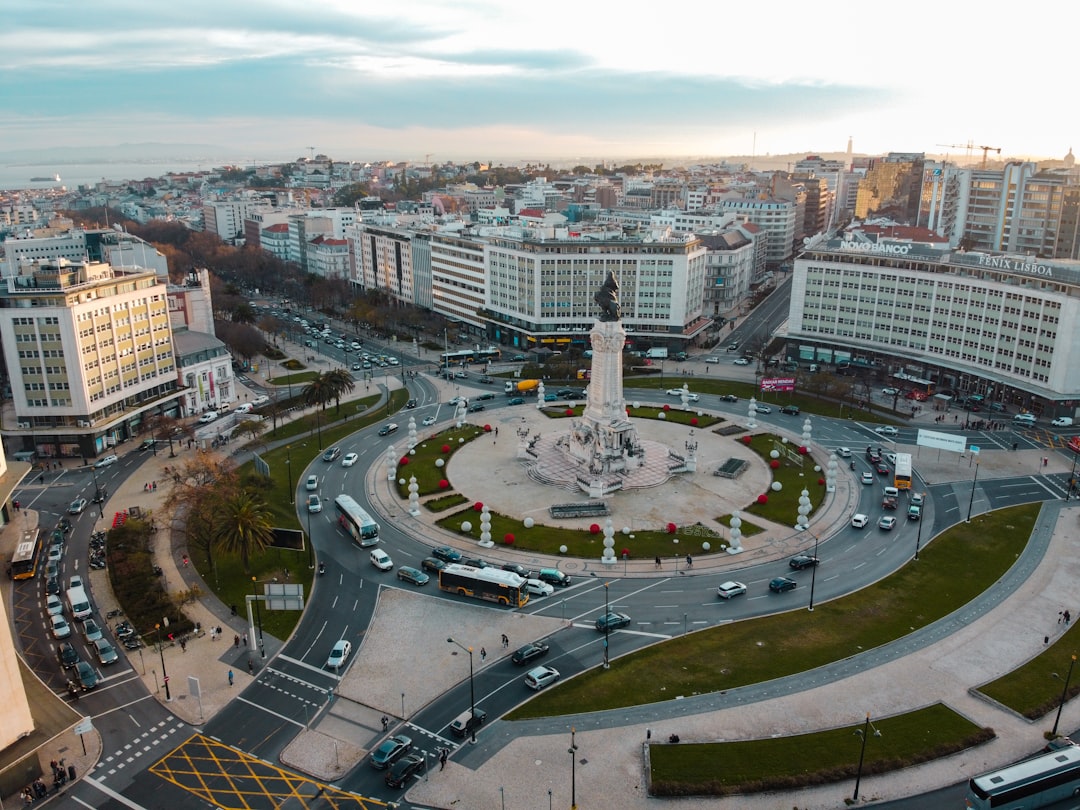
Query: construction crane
(969, 146)
(427, 158)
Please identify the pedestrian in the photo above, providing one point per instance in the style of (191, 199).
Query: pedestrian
(1068, 618)
(443, 754)
(689, 561)
(245, 639)
(496, 430)
(230, 677)
(385, 722)
(213, 636)
(483, 655)
(505, 641)
(153, 486)
(657, 561)
(251, 667)
(18, 507)
(183, 645)
(184, 559)
(236, 642)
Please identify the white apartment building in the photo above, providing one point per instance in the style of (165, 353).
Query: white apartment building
(383, 260)
(225, 218)
(776, 218)
(88, 349)
(1005, 327)
(328, 257)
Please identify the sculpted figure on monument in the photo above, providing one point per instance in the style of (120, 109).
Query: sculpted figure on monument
(607, 298)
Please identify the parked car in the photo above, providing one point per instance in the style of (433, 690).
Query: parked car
(381, 560)
(535, 587)
(530, 652)
(781, 584)
(404, 769)
(331, 454)
(447, 554)
(860, 520)
(77, 506)
(349, 460)
(407, 573)
(731, 588)
(612, 621)
(540, 677)
(886, 430)
(802, 561)
(105, 652)
(208, 417)
(886, 523)
(338, 653)
(314, 503)
(390, 750)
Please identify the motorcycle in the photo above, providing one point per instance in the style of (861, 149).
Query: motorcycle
(124, 630)
(853, 465)
(132, 643)
(322, 568)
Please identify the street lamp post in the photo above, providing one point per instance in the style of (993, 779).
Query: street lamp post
(1064, 694)
(288, 467)
(971, 502)
(813, 575)
(863, 732)
(310, 547)
(607, 625)
(161, 652)
(573, 770)
(258, 615)
(472, 692)
(918, 534)
(1072, 475)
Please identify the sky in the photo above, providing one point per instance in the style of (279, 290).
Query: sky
(428, 80)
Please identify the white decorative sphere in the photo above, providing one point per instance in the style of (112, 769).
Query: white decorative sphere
(412, 452)
(466, 526)
(461, 441)
(401, 482)
(817, 468)
(635, 404)
(661, 415)
(783, 439)
(626, 530)
(706, 545)
(529, 523)
(675, 540)
(439, 462)
(562, 549)
(777, 486)
(774, 454)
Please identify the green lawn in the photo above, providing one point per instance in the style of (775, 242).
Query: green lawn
(803, 760)
(1036, 688)
(953, 570)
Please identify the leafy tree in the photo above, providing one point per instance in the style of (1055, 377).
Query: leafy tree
(340, 382)
(244, 314)
(251, 426)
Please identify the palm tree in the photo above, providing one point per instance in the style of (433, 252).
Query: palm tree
(318, 392)
(340, 382)
(244, 525)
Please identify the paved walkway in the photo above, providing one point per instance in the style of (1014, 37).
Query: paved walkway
(979, 643)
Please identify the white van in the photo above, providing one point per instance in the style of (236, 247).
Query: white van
(1024, 419)
(78, 603)
(106, 461)
(244, 408)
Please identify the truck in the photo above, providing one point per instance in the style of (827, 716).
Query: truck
(656, 354)
(890, 499)
(520, 387)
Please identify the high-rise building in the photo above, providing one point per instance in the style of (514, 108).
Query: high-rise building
(892, 188)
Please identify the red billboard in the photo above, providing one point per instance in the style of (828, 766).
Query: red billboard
(778, 384)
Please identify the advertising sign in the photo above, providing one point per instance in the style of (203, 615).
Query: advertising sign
(778, 384)
(953, 442)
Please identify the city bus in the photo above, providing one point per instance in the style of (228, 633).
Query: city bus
(1036, 782)
(27, 557)
(359, 524)
(902, 475)
(493, 584)
(465, 356)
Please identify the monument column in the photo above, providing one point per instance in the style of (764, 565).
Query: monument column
(606, 383)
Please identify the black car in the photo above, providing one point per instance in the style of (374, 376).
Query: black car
(52, 585)
(728, 398)
(391, 749)
(411, 403)
(485, 395)
(486, 380)
(67, 655)
(781, 584)
(433, 564)
(575, 395)
(476, 406)
(791, 410)
(612, 621)
(801, 561)
(404, 769)
(520, 570)
(475, 562)
(530, 652)
(446, 554)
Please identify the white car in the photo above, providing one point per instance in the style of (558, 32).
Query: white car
(381, 560)
(338, 654)
(868, 478)
(349, 460)
(886, 523)
(843, 452)
(428, 421)
(207, 417)
(261, 399)
(535, 587)
(75, 582)
(540, 677)
(312, 483)
(916, 499)
(886, 430)
(60, 627)
(890, 392)
(860, 520)
(762, 409)
(106, 461)
(726, 590)
(741, 361)
(1062, 421)
(54, 605)
(712, 360)
(314, 504)
(891, 458)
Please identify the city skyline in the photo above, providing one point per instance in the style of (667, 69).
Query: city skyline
(480, 80)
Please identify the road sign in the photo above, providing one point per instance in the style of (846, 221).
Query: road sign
(84, 726)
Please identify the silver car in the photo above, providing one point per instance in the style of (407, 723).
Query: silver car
(105, 652)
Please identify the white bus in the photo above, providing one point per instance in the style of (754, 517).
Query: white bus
(493, 584)
(79, 603)
(1035, 782)
(359, 524)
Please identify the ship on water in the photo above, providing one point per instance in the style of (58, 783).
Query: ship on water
(54, 179)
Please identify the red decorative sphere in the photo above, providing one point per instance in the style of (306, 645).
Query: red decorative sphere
(693, 420)
(569, 411)
(671, 527)
(626, 552)
(804, 450)
(821, 481)
(446, 448)
(594, 529)
(508, 538)
(487, 428)
(762, 498)
(403, 461)
(478, 507)
(746, 439)
(444, 484)
(775, 464)
(667, 407)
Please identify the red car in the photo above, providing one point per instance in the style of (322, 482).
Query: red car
(882, 468)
